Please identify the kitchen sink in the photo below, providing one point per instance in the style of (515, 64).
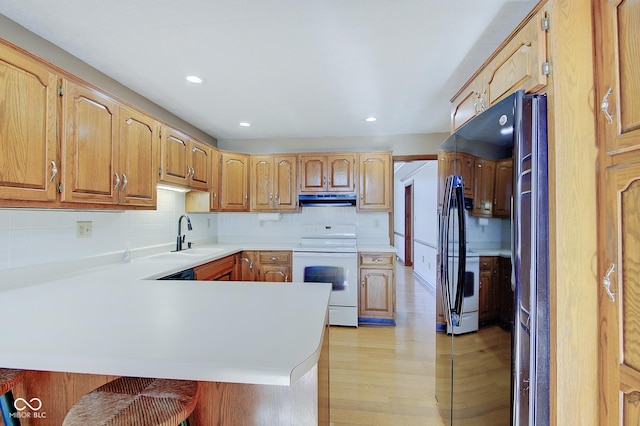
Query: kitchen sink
(185, 254)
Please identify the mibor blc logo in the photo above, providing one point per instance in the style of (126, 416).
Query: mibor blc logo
(34, 405)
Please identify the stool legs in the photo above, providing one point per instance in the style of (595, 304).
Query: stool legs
(7, 407)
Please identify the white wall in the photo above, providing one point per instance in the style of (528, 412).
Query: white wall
(30, 237)
(233, 227)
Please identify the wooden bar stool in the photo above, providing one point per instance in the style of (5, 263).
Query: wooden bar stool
(8, 379)
(133, 401)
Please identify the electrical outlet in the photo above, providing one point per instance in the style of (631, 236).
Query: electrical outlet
(376, 223)
(84, 228)
(208, 223)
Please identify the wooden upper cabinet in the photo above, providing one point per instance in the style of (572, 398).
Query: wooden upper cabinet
(341, 173)
(89, 145)
(618, 74)
(174, 154)
(234, 181)
(262, 179)
(375, 188)
(483, 187)
(503, 189)
(468, 103)
(286, 176)
(185, 161)
(273, 182)
(110, 152)
(520, 64)
(215, 181)
(139, 155)
(327, 173)
(28, 118)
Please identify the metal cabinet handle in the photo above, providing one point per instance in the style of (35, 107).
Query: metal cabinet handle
(246, 259)
(117, 180)
(124, 181)
(274, 258)
(376, 259)
(54, 170)
(604, 106)
(606, 282)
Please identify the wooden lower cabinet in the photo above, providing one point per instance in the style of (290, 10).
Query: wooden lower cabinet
(265, 265)
(505, 296)
(486, 296)
(275, 266)
(377, 295)
(225, 269)
(248, 266)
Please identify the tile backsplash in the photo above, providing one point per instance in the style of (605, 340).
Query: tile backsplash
(34, 236)
(38, 236)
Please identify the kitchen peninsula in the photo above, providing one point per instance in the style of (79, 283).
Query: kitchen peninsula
(259, 350)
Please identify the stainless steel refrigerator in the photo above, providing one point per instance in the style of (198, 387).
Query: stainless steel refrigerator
(515, 127)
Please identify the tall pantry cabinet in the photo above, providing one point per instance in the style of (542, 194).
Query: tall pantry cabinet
(617, 53)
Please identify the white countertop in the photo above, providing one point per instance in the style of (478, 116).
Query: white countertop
(117, 319)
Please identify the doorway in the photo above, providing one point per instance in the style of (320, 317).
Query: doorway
(408, 225)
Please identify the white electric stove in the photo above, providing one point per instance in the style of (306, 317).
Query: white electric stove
(328, 253)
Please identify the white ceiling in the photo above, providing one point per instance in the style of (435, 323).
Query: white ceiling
(292, 68)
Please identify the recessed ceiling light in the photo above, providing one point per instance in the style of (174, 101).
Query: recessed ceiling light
(194, 79)
(245, 124)
(370, 119)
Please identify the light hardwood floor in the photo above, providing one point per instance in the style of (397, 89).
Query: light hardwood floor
(386, 375)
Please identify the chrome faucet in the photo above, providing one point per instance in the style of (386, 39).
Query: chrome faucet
(180, 236)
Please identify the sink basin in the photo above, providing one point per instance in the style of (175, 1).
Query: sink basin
(185, 254)
(201, 251)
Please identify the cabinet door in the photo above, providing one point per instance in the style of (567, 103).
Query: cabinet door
(375, 182)
(285, 196)
(90, 146)
(519, 63)
(200, 163)
(443, 172)
(215, 180)
(341, 173)
(620, 329)
(275, 273)
(219, 270)
(234, 182)
(618, 73)
(483, 187)
(313, 173)
(28, 140)
(486, 302)
(262, 180)
(248, 266)
(467, 103)
(174, 157)
(139, 154)
(504, 188)
(376, 293)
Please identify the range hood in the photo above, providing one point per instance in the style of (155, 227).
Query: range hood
(321, 200)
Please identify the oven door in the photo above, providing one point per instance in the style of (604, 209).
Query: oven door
(339, 269)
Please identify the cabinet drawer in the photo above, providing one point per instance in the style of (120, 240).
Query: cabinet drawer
(377, 259)
(271, 257)
(486, 263)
